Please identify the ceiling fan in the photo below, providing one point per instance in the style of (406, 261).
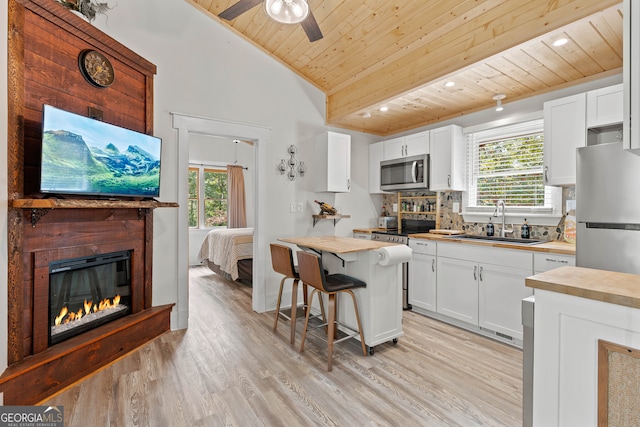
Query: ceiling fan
(285, 11)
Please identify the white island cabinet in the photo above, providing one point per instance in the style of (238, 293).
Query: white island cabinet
(577, 312)
(380, 302)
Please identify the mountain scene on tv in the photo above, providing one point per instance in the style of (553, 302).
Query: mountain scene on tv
(70, 165)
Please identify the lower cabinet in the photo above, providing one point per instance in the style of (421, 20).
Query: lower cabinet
(501, 290)
(483, 286)
(422, 274)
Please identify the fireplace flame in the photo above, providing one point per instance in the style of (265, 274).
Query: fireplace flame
(66, 317)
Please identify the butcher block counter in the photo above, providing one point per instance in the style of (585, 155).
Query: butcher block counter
(380, 302)
(554, 246)
(586, 323)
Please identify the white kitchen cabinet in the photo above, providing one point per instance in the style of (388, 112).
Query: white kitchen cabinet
(376, 155)
(447, 159)
(500, 292)
(564, 131)
(631, 75)
(422, 274)
(483, 286)
(332, 162)
(406, 146)
(457, 289)
(604, 106)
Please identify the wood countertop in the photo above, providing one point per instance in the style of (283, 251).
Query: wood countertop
(554, 246)
(368, 230)
(607, 286)
(336, 244)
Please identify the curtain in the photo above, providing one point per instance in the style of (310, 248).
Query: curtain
(236, 198)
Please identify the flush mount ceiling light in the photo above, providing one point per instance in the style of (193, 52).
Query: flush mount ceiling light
(383, 109)
(499, 97)
(450, 84)
(287, 11)
(560, 42)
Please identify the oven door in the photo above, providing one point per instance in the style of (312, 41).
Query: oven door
(406, 173)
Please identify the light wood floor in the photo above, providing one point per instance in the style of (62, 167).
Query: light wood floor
(230, 369)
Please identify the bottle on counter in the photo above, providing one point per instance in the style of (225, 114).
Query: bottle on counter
(326, 208)
(490, 228)
(525, 230)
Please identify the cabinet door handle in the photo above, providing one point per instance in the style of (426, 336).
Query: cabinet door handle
(475, 272)
(481, 274)
(433, 264)
(546, 174)
(562, 261)
(448, 180)
(348, 184)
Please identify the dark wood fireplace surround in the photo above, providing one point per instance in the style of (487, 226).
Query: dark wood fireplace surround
(44, 43)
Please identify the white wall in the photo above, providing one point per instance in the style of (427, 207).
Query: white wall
(206, 70)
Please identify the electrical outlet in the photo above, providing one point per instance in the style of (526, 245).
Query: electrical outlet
(300, 207)
(292, 207)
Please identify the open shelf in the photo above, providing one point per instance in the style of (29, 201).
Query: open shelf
(335, 218)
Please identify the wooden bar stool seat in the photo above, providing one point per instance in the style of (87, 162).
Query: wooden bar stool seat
(282, 262)
(312, 274)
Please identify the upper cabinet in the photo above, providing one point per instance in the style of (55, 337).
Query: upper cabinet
(376, 153)
(604, 106)
(447, 159)
(406, 146)
(564, 131)
(631, 76)
(332, 162)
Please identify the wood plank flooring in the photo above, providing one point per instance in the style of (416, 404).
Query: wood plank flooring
(230, 369)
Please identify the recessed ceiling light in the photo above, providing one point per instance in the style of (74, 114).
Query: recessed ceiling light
(450, 84)
(383, 109)
(560, 42)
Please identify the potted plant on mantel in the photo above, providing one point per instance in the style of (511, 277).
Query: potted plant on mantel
(87, 8)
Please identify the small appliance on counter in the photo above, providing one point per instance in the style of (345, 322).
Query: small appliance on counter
(388, 222)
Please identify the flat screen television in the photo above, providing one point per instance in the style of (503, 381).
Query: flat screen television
(85, 156)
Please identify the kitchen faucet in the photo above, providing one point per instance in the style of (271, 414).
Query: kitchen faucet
(503, 231)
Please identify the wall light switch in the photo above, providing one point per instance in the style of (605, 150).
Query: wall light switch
(300, 207)
(292, 207)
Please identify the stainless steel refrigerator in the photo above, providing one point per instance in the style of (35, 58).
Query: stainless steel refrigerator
(608, 208)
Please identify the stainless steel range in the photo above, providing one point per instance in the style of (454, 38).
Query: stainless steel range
(408, 226)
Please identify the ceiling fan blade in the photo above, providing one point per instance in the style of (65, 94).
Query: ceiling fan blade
(238, 9)
(310, 26)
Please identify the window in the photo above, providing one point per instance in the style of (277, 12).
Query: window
(506, 163)
(207, 197)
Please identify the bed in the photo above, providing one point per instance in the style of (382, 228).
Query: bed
(229, 253)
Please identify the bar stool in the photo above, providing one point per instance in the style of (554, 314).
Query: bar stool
(282, 262)
(312, 274)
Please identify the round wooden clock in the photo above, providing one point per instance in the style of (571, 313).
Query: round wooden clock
(96, 68)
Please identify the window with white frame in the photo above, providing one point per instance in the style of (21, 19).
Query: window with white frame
(207, 197)
(506, 163)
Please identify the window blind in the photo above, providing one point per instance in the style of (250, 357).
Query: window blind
(507, 163)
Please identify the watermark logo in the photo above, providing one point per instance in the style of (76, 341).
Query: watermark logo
(31, 416)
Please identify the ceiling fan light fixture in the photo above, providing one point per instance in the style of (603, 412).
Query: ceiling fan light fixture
(287, 11)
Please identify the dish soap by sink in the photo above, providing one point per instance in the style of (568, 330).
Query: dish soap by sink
(525, 230)
(490, 228)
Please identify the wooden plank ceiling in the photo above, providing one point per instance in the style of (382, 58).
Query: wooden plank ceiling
(400, 53)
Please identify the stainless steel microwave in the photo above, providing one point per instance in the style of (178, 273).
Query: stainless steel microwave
(405, 174)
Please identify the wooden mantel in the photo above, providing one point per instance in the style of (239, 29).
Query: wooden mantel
(55, 203)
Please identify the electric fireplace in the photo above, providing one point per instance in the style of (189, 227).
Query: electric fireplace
(87, 292)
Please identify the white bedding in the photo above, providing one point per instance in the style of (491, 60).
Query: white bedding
(225, 246)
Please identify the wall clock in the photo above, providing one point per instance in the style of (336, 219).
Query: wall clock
(96, 68)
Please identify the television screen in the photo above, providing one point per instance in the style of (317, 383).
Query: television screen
(86, 156)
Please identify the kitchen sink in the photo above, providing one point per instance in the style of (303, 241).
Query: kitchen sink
(494, 239)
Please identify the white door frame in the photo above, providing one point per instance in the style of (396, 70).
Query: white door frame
(189, 124)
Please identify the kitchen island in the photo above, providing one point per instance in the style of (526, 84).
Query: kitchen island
(380, 303)
(586, 342)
